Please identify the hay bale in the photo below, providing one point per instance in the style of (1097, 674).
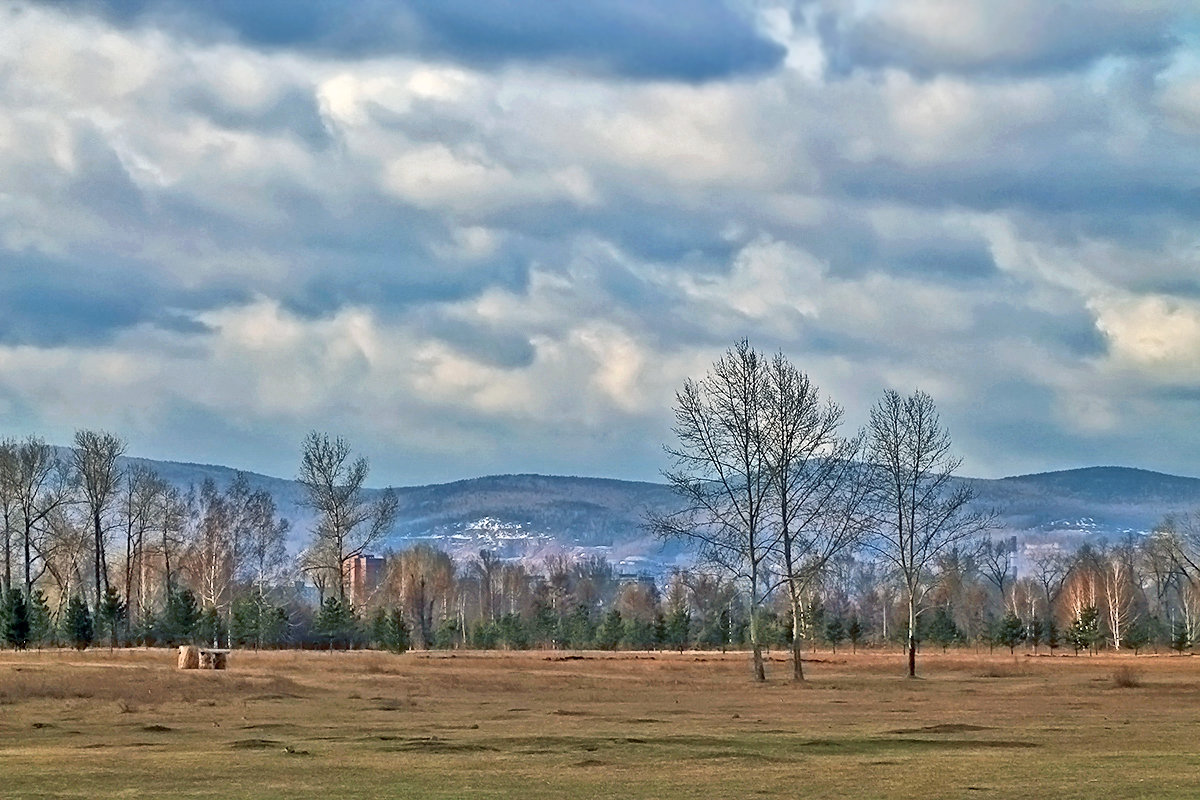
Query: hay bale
(189, 657)
(219, 659)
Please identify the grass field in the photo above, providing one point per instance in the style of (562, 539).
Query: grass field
(555, 725)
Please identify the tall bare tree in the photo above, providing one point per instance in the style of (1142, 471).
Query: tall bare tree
(43, 483)
(8, 507)
(722, 472)
(139, 496)
(95, 460)
(920, 509)
(818, 486)
(347, 522)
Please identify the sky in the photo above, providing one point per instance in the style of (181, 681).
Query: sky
(492, 237)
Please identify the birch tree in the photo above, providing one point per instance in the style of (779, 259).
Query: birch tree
(818, 486)
(722, 473)
(347, 522)
(919, 509)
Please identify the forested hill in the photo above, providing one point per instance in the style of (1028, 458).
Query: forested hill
(525, 515)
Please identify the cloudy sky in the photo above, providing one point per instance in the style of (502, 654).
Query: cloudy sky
(478, 237)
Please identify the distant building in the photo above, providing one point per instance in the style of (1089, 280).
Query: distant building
(363, 574)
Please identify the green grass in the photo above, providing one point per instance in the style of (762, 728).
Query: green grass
(529, 725)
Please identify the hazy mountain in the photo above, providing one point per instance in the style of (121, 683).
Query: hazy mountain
(529, 515)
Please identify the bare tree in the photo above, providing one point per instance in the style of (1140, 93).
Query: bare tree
(920, 510)
(995, 559)
(1118, 583)
(136, 509)
(210, 548)
(8, 507)
(1050, 570)
(265, 542)
(43, 483)
(818, 486)
(95, 460)
(347, 523)
(722, 472)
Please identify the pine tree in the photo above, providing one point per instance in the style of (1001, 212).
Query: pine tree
(1180, 640)
(1139, 635)
(180, 617)
(16, 622)
(943, 630)
(396, 632)
(678, 629)
(1010, 632)
(210, 628)
(80, 631)
(1035, 632)
(335, 622)
(854, 632)
(608, 635)
(41, 622)
(112, 613)
(1085, 629)
(835, 630)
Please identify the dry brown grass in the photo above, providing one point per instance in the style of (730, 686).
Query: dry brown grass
(553, 725)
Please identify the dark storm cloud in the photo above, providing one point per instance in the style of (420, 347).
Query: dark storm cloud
(690, 40)
(48, 302)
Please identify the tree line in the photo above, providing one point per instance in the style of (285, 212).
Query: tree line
(806, 536)
(779, 500)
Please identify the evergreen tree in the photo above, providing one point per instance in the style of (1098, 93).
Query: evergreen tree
(180, 617)
(80, 631)
(112, 614)
(678, 629)
(245, 622)
(397, 636)
(1052, 634)
(943, 630)
(210, 628)
(1180, 640)
(660, 630)
(147, 629)
(484, 635)
(377, 631)
(335, 623)
(609, 634)
(41, 622)
(1010, 632)
(639, 634)
(854, 632)
(835, 630)
(513, 633)
(447, 636)
(1139, 635)
(1035, 632)
(1085, 629)
(16, 620)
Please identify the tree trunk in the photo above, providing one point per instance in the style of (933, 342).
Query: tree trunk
(797, 629)
(912, 637)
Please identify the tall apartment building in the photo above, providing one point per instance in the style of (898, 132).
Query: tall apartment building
(363, 574)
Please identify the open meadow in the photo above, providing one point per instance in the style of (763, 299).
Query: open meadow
(556, 724)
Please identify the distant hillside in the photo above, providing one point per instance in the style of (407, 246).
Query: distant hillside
(526, 516)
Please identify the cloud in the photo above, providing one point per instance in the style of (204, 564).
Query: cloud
(689, 40)
(982, 37)
(506, 255)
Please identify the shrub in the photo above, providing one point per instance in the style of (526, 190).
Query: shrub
(1126, 677)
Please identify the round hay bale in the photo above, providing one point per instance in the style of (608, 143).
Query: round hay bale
(189, 657)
